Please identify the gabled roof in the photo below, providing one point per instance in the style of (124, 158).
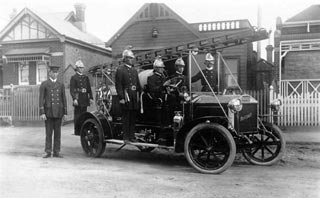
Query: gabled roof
(150, 11)
(64, 27)
(312, 13)
(264, 65)
(60, 25)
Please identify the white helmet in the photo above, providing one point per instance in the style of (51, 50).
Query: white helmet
(180, 62)
(209, 57)
(79, 63)
(158, 62)
(127, 52)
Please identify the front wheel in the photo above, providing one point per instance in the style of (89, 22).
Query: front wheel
(92, 138)
(210, 148)
(268, 146)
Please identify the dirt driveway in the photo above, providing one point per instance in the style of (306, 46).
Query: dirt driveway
(130, 173)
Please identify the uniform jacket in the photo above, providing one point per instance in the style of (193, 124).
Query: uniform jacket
(211, 76)
(128, 86)
(177, 77)
(52, 99)
(155, 83)
(80, 89)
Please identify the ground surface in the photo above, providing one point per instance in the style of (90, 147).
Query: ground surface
(130, 173)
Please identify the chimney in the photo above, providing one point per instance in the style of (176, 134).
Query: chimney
(80, 16)
(269, 49)
(259, 19)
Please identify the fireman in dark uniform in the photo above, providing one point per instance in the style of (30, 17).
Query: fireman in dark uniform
(80, 90)
(128, 87)
(178, 78)
(210, 73)
(156, 80)
(53, 107)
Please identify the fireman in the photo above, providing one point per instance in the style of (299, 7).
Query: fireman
(210, 74)
(156, 80)
(178, 78)
(128, 87)
(80, 90)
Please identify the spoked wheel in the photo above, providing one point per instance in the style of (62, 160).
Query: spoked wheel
(268, 146)
(92, 138)
(210, 148)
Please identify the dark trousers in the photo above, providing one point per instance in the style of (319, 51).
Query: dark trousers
(129, 122)
(53, 126)
(78, 110)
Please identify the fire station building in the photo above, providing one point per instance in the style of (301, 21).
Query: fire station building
(155, 25)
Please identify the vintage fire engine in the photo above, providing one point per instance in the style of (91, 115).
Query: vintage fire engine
(209, 127)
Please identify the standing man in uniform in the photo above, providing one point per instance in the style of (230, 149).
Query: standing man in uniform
(210, 73)
(53, 107)
(80, 90)
(128, 88)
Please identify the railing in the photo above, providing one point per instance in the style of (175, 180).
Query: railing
(299, 87)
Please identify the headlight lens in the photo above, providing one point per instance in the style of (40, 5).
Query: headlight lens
(235, 105)
(275, 105)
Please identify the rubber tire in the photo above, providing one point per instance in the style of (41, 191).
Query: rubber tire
(279, 134)
(217, 129)
(101, 145)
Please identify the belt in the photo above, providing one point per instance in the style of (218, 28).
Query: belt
(133, 88)
(82, 90)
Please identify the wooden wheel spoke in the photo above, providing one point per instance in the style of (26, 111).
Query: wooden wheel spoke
(257, 149)
(204, 140)
(193, 145)
(267, 148)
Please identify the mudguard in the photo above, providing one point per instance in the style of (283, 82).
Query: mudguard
(100, 118)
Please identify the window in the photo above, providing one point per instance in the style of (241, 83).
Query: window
(233, 66)
(42, 72)
(23, 73)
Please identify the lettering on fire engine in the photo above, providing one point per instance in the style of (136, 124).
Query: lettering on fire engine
(245, 117)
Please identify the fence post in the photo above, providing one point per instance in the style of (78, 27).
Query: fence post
(271, 96)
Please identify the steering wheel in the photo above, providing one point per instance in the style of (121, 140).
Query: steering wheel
(173, 84)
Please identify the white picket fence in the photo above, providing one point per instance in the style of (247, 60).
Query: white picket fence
(298, 110)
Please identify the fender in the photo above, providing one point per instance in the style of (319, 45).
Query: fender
(189, 125)
(100, 118)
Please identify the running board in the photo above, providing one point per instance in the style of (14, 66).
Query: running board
(115, 141)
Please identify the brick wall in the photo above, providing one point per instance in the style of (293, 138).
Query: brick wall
(302, 65)
(89, 58)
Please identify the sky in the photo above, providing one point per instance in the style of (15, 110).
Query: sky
(105, 17)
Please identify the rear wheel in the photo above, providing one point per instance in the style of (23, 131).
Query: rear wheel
(268, 146)
(210, 148)
(92, 138)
